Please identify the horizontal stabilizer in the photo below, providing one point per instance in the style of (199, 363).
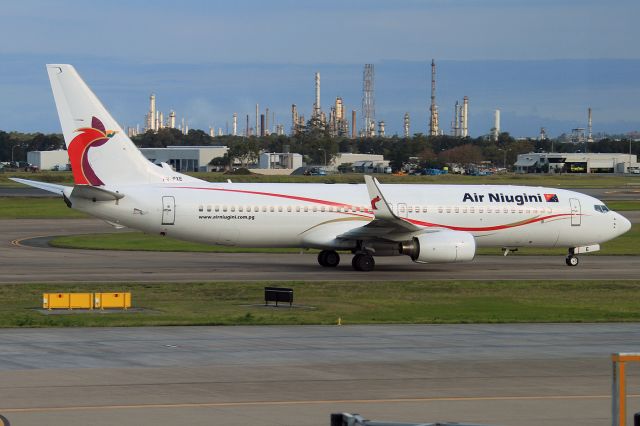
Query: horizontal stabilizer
(45, 186)
(95, 193)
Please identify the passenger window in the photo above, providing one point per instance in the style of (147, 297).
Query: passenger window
(217, 208)
(315, 209)
(439, 209)
(240, 209)
(233, 208)
(480, 210)
(224, 208)
(306, 209)
(264, 209)
(289, 209)
(298, 209)
(322, 208)
(272, 209)
(489, 210)
(200, 208)
(208, 208)
(456, 210)
(464, 210)
(424, 210)
(280, 209)
(472, 210)
(448, 209)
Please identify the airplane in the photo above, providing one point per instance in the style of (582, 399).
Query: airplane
(113, 181)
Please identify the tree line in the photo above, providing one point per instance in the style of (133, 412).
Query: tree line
(318, 147)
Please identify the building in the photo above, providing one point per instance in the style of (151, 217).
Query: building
(280, 160)
(49, 160)
(556, 162)
(185, 158)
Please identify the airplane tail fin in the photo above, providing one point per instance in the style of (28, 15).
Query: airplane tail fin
(99, 150)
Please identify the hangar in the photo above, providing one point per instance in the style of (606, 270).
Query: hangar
(558, 162)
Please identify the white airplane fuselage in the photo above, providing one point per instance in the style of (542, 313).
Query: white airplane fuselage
(312, 215)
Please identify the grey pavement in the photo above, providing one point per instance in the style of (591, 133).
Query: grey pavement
(545, 374)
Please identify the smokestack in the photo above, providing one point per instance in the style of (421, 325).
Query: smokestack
(265, 130)
(316, 105)
(152, 111)
(235, 124)
(381, 128)
(353, 124)
(261, 124)
(172, 119)
(496, 125)
(257, 118)
(465, 116)
(434, 126)
(589, 126)
(406, 125)
(294, 119)
(246, 129)
(456, 121)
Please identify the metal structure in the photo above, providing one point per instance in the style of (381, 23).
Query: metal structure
(294, 119)
(316, 105)
(434, 121)
(353, 124)
(456, 120)
(406, 125)
(589, 126)
(368, 101)
(172, 119)
(465, 117)
(619, 387)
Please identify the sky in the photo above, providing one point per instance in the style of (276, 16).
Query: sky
(541, 62)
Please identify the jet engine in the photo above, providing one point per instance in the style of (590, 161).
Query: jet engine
(440, 247)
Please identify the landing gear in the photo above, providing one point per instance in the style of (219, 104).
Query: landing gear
(328, 258)
(363, 262)
(572, 260)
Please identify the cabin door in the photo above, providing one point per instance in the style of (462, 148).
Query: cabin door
(168, 210)
(576, 215)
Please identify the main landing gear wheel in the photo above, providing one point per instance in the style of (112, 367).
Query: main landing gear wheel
(363, 262)
(329, 258)
(572, 260)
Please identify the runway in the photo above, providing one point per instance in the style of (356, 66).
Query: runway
(517, 375)
(22, 263)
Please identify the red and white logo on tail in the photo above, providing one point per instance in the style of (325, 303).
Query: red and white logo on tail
(89, 137)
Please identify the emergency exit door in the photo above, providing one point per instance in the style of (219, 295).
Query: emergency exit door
(168, 210)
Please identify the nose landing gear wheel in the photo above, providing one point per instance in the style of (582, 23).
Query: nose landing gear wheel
(329, 258)
(363, 262)
(572, 260)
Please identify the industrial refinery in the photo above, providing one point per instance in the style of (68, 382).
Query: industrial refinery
(337, 122)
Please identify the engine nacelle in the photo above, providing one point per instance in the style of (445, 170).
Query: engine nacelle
(440, 247)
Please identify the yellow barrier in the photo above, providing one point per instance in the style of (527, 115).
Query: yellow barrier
(55, 301)
(86, 300)
(80, 301)
(112, 300)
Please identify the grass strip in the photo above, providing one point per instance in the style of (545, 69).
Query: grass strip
(420, 302)
(36, 208)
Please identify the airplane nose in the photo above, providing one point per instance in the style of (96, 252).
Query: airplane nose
(622, 224)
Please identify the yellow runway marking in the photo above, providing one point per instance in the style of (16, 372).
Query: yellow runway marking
(18, 241)
(310, 402)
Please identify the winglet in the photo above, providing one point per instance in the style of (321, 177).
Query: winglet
(379, 205)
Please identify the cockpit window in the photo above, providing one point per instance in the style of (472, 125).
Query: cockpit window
(601, 208)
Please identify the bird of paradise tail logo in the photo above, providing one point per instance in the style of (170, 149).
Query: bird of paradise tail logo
(89, 137)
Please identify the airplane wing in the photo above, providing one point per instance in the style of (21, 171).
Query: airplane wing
(386, 224)
(79, 191)
(51, 187)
